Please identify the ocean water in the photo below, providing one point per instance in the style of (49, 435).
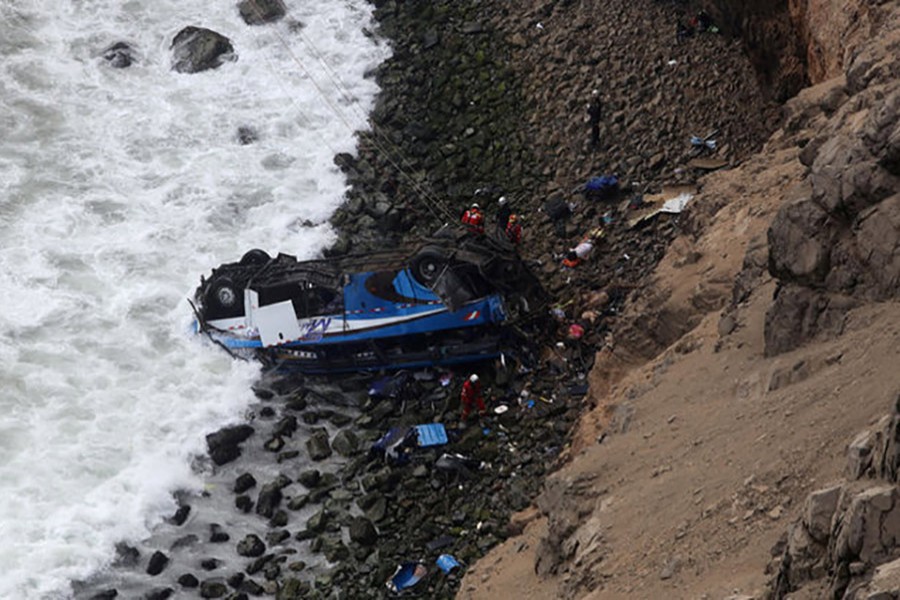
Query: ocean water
(118, 189)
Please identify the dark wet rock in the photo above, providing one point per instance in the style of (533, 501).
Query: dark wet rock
(377, 511)
(212, 589)
(185, 541)
(260, 392)
(334, 550)
(297, 566)
(243, 503)
(276, 537)
(260, 12)
(244, 482)
(180, 515)
(159, 594)
(286, 426)
(279, 519)
(126, 556)
(289, 455)
(339, 419)
(119, 55)
(318, 521)
(188, 581)
(267, 412)
(298, 404)
(158, 562)
(210, 564)
(246, 136)
(259, 564)
(251, 587)
(363, 532)
(270, 496)
(251, 546)
(217, 535)
(196, 49)
(274, 445)
(223, 445)
(317, 445)
(236, 579)
(105, 595)
(310, 478)
(345, 443)
(298, 502)
(294, 589)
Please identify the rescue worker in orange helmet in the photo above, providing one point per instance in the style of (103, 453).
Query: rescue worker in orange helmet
(471, 392)
(473, 219)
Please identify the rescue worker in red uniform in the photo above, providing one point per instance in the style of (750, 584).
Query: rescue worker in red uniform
(473, 219)
(471, 392)
(514, 230)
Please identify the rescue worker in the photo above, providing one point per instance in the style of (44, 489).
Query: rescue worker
(503, 214)
(471, 392)
(571, 260)
(514, 230)
(474, 220)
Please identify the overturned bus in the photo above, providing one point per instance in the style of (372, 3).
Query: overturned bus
(455, 298)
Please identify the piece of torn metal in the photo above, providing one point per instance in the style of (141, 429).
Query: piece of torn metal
(447, 562)
(407, 575)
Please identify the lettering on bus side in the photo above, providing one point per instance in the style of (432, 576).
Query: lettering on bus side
(313, 329)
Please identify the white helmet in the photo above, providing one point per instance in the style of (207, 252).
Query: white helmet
(473, 378)
(475, 205)
(502, 200)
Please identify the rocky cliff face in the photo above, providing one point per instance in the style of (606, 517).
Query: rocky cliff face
(837, 245)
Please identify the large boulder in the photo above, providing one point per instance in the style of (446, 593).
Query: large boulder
(270, 496)
(223, 445)
(800, 314)
(799, 242)
(363, 532)
(119, 55)
(196, 49)
(259, 12)
(317, 445)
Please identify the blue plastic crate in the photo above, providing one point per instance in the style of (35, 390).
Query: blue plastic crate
(433, 434)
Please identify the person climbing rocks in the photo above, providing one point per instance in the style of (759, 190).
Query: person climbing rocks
(514, 230)
(594, 110)
(473, 219)
(503, 214)
(471, 392)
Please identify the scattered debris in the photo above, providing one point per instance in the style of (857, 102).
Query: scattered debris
(406, 576)
(446, 563)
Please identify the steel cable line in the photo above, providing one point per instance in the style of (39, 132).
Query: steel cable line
(383, 144)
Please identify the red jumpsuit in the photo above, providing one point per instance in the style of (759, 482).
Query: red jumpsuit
(471, 392)
(474, 220)
(514, 232)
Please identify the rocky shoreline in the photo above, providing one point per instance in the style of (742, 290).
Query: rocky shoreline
(298, 507)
